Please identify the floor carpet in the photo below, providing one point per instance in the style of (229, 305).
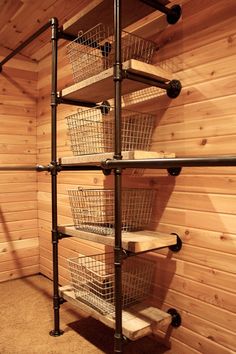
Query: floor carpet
(26, 317)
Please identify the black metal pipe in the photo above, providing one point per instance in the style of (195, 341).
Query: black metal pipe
(158, 6)
(171, 162)
(142, 78)
(118, 336)
(172, 88)
(56, 298)
(173, 14)
(24, 44)
(67, 36)
(80, 168)
(77, 102)
(118, 255)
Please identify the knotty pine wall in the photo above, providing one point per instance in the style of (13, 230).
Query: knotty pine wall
(19, 246)
(200, 203)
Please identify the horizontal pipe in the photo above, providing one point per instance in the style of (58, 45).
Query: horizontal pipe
(171, 162)
(144, 79)
(158, 6)
(66, 36)
(25, 43)
(77, 102)
(38, 168)
(80, 168)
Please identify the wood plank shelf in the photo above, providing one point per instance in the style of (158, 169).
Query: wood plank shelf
(140, 241)
(95, 159)
(100, 87)
(137, 321)
(101, 11)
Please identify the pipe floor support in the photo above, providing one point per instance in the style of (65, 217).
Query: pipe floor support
(54, 170)
(118, 336)
(118, 257)
(56, 332)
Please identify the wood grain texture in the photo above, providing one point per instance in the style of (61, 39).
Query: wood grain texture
(19, 245)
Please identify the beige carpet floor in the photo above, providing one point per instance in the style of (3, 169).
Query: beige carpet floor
(26, 317)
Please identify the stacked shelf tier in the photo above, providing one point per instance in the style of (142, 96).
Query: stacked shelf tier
(100, 87)
(137, 320)
(140, 241)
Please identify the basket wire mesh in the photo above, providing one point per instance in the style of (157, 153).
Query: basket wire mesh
(93, 209)
(93, 280)
(91, 131)
(94, 51)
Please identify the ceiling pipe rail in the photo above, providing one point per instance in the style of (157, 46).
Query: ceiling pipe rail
(25, 43)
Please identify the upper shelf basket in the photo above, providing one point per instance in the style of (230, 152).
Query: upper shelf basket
(94, 51)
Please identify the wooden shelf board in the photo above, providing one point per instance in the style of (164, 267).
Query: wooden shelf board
(139, 241)
(137, 321)
(101, 11)
(127, 155)
(101, 86)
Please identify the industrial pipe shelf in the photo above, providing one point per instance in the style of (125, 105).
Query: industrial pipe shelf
(100, 87)
(137, 321)
(135, 242)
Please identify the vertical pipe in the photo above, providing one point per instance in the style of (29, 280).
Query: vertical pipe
(118, 337)
(56, 299)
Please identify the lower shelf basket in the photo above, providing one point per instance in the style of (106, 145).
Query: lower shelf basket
(93, 280)
(93, 209)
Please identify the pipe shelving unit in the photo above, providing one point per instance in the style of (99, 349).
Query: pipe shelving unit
(116, 164)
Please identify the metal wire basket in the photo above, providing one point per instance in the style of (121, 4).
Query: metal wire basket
(93, 209)
(91, 131)
(94, 51)
(93, 280)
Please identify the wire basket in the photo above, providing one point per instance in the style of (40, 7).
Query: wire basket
(94, 51)
(91, 131)
(93, 280)
(93, 209)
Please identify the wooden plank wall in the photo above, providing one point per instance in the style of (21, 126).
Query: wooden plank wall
(199, 205)
(19, 247)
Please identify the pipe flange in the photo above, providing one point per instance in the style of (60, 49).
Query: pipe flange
(176, 318)
(174, 171)
(174, 15)
(177, 247)
(105, 108)
(54, 333)
(174, 88)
